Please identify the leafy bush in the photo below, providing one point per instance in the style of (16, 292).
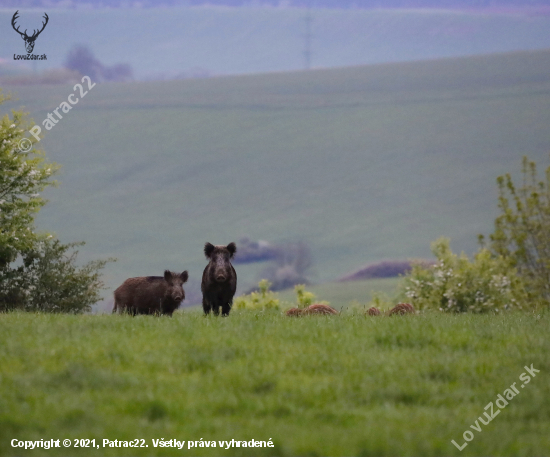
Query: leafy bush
(264, 299)
(50, 281)
(37, 272)
(456, 284)
(522, 231)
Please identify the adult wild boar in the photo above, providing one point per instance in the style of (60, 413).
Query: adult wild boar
(219, 279)
(151, 294)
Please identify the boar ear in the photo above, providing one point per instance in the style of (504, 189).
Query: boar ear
(168, 275)
(232, 248)
(208, 250)
(184, 276)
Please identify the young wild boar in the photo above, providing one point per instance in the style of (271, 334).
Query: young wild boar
(373, 311)
(219, 279)
(401, 309)
(151, 294)
(317, 309)
(320, 309)
(294, 312)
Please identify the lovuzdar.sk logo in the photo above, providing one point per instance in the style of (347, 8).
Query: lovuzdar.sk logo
(29, 40)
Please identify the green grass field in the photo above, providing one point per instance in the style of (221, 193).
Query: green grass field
(346, 385)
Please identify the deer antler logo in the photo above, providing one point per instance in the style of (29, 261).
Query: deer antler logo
(29, 40)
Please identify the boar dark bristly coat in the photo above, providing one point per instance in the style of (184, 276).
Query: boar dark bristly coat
(151, 294)
(219, 279)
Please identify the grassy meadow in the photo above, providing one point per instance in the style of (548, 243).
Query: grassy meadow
(364, 163)
(341, 385)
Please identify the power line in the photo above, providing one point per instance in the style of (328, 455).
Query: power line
(307, 39)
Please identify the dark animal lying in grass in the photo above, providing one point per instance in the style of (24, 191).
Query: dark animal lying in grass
(294, 312)
(151, 294)
(318, 308)
(400, 309)
(315, 309)
(219, 279)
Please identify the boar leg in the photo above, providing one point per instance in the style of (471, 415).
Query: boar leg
(225, 309)
(216, 309)
(205, 306)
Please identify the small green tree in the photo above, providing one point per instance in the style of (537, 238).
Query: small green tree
(303, 297)
(23, 175)
(263, 299)
(522, 231)
(37, 272)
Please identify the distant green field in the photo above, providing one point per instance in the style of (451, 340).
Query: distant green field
(172, 42)
(340, 385)
(343, 295)
(364, 163)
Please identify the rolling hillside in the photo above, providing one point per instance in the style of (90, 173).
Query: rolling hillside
(175, 42)
(362, 163)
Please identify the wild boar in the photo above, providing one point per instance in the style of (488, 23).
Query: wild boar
(401, 308)
(219, 279)
(319, 308)
(294, 312)
(151, 294)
